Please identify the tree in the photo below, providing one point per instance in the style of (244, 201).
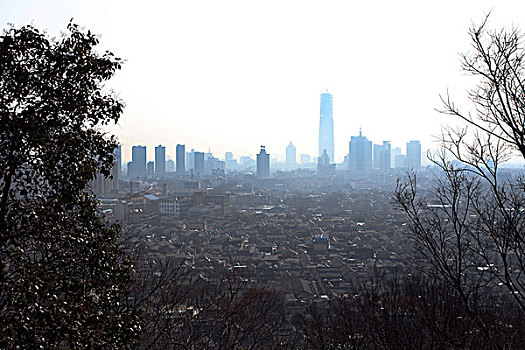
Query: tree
(64, 277)
(412, 312)
(470, 226)
(189, 309)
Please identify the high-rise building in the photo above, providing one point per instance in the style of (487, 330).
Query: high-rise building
(199, 163)
(377, 150)
(291, 155)
(190, 160)
(386, 157)
(360, 155)
(230, 163)
(382, 156)
(181, 158)
(400, 161)
(150, 168)
(138, 158)
(414, 155)
(396, 151)
(326, 127)
(170, 166)
(160, 160)
(263, 163)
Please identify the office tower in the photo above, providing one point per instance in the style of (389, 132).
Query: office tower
(326, 127)
(190, 160)
(150, 168)
(376, 161)
(386, 157)
(230, 163)
(160, 160)
(170, 166)
(198, 159)
(396, 151)
(306, 159)
(414, 155)
(400, 161)
(214, 165)
(263, 163)
(360, 155)
(291, 155)
(382, 156)
(138, 158)
(181, 159)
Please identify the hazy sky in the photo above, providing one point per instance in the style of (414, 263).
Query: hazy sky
(234, 75)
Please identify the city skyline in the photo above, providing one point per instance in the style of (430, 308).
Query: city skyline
(228, 81)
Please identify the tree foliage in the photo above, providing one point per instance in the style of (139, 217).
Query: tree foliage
(63, 275)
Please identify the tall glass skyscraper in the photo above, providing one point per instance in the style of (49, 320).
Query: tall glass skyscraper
(181, 158)
(138, 160)
(326, 127)
(160, 160)
(414, 154)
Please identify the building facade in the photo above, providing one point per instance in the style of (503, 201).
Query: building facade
(326, 127)
(160, 160)
(291, 154)
(360, 154)
(263, 163)
(382, 156)
(169, 207)
(198, 163)
(138, 161)
(180, 158)
(414, 155)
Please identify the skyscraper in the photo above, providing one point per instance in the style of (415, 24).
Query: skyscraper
(263, 163)
(180, 157)
(199, 163)
(160, 160)
(414, 154)
(150, 168)
(382, 155)
(376, 162)
(138, 160)
(360, 153)
(326, 127)
(291, 155)
(190, 160)
(386, 156)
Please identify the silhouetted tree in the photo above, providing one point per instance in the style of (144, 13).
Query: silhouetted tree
(408, 313)
(470, 226)
(64, 278)
(186, 310)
